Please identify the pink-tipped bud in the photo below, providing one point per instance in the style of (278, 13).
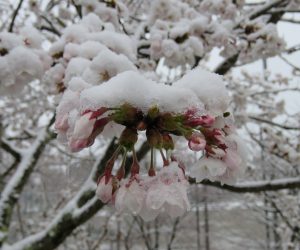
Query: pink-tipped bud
(105, 189)
(98, 112)
(205, 121)
(197, 142)
(61, 123)
(208, 120)
(76, 145)
(135, 168)
(128, 138)
(151, 171)
(84, 126)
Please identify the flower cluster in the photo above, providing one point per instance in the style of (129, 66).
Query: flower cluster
(135, 105)
(182, 33)
(93, 50)
(16, 50)
(104, 92)
(147, 196)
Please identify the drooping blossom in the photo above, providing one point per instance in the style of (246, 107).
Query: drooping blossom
(197, 142)
(222, 164)
(130, 196)
(105, 189)
(168, 193)
(82, 131)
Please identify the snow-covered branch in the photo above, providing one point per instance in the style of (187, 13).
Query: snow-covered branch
(77, 211)
(263, 9)
(274, 123)
(256, 186)
(11, 192)
(8, 147)
(15, 14)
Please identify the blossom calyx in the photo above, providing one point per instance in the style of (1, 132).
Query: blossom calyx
(128, 138)
(167, 122)
(153, 113)
(167, 142)
(154, 138)
(127, 115)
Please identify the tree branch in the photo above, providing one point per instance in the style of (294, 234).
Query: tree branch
(77, 211)
(173, 235)
(229, 62)
(264, 9)
(15, 185)
(15, 14)
(78, 8)
(256, 186)
(273, 123)
(10, 149)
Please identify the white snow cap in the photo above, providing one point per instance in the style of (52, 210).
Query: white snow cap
(209, 88)
(117, 42)
(131, 87)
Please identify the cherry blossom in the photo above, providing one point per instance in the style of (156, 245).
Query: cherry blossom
(105, 189)
(130, 196)
(197, 142)
(169, 192)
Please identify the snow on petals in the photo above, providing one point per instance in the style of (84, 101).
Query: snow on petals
(105, 189)
(169, 193)
(130, 195)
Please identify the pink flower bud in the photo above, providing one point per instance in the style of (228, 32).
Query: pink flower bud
(84, 126)
(105, 190)
(61, 123)
(218, 152)
(78, 144)
(82, 132)
(205, 121)
(197, 142)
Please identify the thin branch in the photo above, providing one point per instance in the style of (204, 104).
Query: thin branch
(14, 16)
(256, 186)
(173, 235)
(51, 27)
(78, 8)
(293, 49)
(276, 91)
(289, 63)
(77, 211)
(286, 10)
(101, 237)
(284, 218)
(290, 20)
(15, 185)
(226, 65)
(273, 123)
(141, 226)
(20, 220)
(10, 149)
(264, 9)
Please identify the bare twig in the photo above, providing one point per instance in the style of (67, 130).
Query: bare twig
(173, 234)
(256, 186)
(273, 123)
(12, 190)
(14, 16)
(290, 20)
(78, 8)
(289, 63)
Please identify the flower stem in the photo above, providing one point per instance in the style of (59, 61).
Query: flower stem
(151, 171)
(135, 167)
(121, 170)
(166, 162)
